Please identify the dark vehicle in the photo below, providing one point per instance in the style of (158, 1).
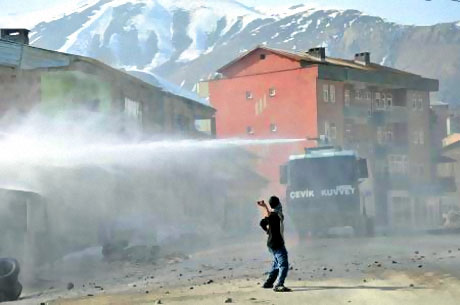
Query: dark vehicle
(323, 195)
(23, 223)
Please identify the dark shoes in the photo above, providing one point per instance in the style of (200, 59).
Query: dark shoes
(278, 288)
(282, 288)
(267, 285)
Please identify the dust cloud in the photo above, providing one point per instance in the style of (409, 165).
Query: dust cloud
(84, 183)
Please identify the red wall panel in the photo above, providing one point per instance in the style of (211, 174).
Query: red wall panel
(293, 109)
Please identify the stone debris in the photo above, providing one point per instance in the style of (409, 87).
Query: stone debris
(228, 300)
(70, 286)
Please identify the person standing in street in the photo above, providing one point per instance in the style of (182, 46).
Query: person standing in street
(273, 225)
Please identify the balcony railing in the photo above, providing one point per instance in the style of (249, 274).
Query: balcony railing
(393, 114)
(447, 184)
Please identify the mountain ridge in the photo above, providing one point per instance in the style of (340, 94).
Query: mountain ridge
(185, 41)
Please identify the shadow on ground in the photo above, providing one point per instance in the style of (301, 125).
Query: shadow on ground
(383, 288)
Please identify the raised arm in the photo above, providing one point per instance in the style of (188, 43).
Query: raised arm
(264, 206)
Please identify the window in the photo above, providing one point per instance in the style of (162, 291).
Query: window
(133, 109)
(333, 131)
(346, 97)
(377, 100)
(330, 130)
(397, 164)
(384, 135)
(389, 135)
(417, 101)
(181, 122)
(420, 169)
(348, 134)
(273, 128)
(380, 134)
(420, 102)
(418, 137)
(249, 95)
(249, 130)
(262, 56)
(332, 93)
(368, 95)
(92, 105)
(272, 92)
(358, 94)
(389, 100)
(326, 93)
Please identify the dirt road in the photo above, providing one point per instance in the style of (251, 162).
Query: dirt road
(384, 270)
(391, 289)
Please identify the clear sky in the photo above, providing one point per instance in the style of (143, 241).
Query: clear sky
(421, 12)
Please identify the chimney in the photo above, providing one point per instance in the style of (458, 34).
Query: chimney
(15, 35)
(363, 58)
(318, 53)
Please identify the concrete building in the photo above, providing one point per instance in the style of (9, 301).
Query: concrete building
(33, 77)
(382, 113)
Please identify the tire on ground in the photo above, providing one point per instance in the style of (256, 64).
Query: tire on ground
(10, 288)
(9, 271)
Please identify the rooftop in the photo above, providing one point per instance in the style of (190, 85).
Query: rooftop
(308, 58)
(350, 70)
(324, 153)
(26, 57)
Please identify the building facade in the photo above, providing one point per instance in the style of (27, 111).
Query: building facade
(32, 77)
(382, 113)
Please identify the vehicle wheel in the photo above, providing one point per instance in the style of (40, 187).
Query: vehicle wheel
(13, 292)
(3, 297)
(9, 271)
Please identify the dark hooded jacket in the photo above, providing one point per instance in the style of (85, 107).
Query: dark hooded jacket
(273, 225)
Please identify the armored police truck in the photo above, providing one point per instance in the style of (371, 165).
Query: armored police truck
(323, 192)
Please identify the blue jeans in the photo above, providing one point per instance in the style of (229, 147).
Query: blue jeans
(280, 266)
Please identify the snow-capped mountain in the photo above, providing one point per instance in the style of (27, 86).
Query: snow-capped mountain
(187, 40)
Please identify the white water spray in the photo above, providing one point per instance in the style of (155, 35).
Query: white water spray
(62, 151)
(165, 191)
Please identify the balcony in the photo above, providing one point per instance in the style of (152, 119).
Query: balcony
(393, 181)
(392, 115)
(382, 150)
(356, 112)
(446, 184)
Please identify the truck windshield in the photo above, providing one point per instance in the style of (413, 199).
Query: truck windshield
(322, 172)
